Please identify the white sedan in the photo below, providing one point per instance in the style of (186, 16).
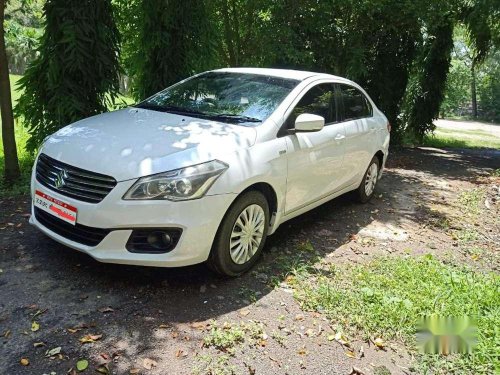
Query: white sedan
(206, 169)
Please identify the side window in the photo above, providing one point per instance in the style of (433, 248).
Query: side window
(319, 100)
(356, 105)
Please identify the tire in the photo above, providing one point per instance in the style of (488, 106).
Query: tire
(364, 193)
(229, 261)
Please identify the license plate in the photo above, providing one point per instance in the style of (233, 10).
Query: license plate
(55, 207)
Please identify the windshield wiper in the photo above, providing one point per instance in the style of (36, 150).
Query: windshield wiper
(169, 108)
(230, 116)
(180, 110)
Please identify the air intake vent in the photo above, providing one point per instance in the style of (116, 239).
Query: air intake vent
(79, 233)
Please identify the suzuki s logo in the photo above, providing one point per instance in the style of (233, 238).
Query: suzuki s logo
(60, 180)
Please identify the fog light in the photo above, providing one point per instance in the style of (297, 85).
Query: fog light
(159, 240)
(153, 241)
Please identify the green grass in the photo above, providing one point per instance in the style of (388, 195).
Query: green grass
(228, 336)
(225, 337)
(25, 159)
(213, 365)
(387, 297)
(447, 138)
(471, 201)
(465, 132)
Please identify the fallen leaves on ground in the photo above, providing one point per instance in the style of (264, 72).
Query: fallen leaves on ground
(24, 361)
(379, 343)
(181, 353)
(89, 338)
(356, 371)
(53, 352)
(76, 329)
(103, 369)
(350, 354)
(105, 310)
(198, 325)
(340, 338)
(35, 326)
(82, 365)
(149, 363)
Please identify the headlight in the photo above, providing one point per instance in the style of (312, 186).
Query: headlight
(178, 185)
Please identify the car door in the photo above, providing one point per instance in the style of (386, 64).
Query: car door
(314, 158)
(357, 116)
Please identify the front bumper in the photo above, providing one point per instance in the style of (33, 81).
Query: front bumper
(199, 220)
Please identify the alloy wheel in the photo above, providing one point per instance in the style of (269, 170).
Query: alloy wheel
(371, 179)
(247, 233)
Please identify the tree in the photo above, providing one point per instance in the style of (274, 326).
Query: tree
(11, 161)
(173, 39)
(23, 28)
(426, 91)
(75, 74)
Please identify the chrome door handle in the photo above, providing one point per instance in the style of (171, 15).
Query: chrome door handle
(339, 137)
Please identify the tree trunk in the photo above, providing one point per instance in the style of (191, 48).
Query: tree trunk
(11, 161)
(473, 90)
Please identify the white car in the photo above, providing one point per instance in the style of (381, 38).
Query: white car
(206, 169)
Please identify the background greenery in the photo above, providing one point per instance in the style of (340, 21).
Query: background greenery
(414, 57)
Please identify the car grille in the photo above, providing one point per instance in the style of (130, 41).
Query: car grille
(79, 233)
(72, 181)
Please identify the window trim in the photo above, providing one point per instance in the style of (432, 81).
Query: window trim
(342, 107)
(283, 131)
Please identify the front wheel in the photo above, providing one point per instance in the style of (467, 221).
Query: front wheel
(366, 189)
(241, 235)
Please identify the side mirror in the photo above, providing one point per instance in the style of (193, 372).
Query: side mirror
(308, 122)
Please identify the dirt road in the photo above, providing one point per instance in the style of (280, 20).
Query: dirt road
(156, 321)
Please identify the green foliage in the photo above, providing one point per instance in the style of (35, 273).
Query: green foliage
(457, 92)
(489, 88)
(22, 185)
(166, 41)
(383, 45)
(75, 74)
(426, 91)
(23, 28)
(397, 50)
(226, 337)
(386, 298)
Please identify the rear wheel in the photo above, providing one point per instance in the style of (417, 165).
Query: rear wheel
(241, 235)
(366, 189)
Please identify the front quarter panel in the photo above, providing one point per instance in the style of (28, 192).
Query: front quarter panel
(265, 162)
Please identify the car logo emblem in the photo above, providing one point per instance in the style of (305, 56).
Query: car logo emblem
(60, 181)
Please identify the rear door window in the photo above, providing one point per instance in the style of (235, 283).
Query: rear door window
(356, 105)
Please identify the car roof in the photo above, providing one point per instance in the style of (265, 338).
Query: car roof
(283, 73)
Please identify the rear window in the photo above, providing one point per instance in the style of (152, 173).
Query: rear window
(356, 105)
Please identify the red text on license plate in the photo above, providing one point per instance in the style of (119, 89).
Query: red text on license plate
(55, 207)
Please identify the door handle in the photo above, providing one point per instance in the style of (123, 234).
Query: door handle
(339, 137)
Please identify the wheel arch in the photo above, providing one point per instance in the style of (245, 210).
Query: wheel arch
(380, 156)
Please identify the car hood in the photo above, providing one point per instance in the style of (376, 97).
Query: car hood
(133, 142)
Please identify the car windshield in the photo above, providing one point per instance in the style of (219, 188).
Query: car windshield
(230, 97)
